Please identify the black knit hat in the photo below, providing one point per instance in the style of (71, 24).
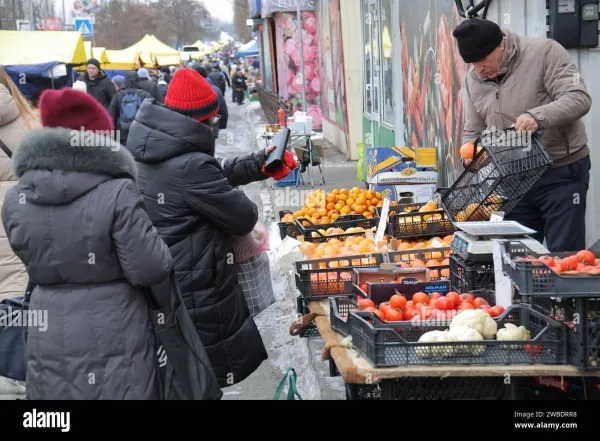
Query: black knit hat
(94, 62)
(477, 38)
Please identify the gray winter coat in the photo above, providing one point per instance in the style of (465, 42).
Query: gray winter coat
(88, 244)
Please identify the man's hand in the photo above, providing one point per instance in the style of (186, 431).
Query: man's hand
(526, 123)
(269, 149)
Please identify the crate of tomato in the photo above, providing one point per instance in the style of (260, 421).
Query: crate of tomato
(519, 335)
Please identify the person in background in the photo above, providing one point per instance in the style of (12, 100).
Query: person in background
(200, 213)
(98, 84)
(535, 81)
(118, 81)
(223, 111)
(239, 86)
(91, 251)
(166, 71)
(126, 104)
(148, 85)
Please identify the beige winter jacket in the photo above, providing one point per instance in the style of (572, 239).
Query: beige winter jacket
(13, 277)
(542, 80)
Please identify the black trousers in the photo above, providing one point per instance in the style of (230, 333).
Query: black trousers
(555, 207)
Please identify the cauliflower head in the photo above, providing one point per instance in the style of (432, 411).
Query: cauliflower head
(477, 320)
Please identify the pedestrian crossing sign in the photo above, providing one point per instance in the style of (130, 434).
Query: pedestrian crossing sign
(85, 26)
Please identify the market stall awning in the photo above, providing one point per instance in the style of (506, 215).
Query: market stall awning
(249, 50)
(168, 60)
(122, 60)
(39, 47)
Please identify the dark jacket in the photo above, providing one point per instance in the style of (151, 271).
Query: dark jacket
(223, 111)
(131, 85)
(152, 88)
(218, 80)
(101, 87)
(192, 201)
(90, 247)
(239, 82)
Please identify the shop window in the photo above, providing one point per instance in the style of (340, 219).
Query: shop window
(387, 62)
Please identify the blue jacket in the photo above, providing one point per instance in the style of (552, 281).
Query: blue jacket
(222, 109)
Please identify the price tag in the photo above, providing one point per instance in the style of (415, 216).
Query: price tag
(383, 221)
(497, 216)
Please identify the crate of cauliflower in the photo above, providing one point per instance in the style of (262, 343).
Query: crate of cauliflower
(520, 336)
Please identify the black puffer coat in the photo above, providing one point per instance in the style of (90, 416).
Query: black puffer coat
(191, 200)
(101, 88)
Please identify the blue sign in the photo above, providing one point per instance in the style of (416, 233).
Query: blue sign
(85, 26)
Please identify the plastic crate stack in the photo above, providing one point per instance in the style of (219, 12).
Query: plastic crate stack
(571, 300)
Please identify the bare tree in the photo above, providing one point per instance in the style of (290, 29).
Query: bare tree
(241, 30)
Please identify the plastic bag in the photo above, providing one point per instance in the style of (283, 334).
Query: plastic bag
(246, 247)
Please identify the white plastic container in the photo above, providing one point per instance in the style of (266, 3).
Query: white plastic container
(309, 125)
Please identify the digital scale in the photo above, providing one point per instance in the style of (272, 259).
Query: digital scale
(474, 242)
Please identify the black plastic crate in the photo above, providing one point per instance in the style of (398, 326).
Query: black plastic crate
(498, 178)
(416, 224)
(449, 388)
(537, 279)
(363, 392)
(339, 312)
(467, 277)
(322, 278)
(343, 222)
(302, 310)
(582, 318)
(396, 344)
(409, 256)
(287, 228)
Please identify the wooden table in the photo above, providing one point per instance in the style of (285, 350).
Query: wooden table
(357, 370)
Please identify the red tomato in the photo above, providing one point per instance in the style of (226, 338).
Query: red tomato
(398, 302)
(410, 304)
(416, 316)
(433, 302)
(479, 302)
(439, 315)
(408, 313)
(454, 297)
(364, 287)
(384, 307)
(496, 311)
(380, 314)
(366, 303)
(443, 304)
(465, 305)
(421, 297)
(451, 314)
(393, 315)
(549, 261)
(485, 307)
(586, 257)
(466, 297)
(534, 349)
(435, 295)
(426, 314)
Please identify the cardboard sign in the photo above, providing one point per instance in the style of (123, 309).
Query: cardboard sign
(383, 220)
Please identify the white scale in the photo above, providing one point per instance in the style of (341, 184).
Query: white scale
(474, 242)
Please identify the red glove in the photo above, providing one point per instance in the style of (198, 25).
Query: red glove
(289, 164)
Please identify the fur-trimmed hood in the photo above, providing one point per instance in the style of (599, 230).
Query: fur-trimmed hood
(55, 166)
(70, 150)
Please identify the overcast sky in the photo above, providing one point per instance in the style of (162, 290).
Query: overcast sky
(222, 9)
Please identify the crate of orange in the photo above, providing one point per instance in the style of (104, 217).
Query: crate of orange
(501, 168)
(321, 278)
(418, 220)
(433, 254)
(287, 225)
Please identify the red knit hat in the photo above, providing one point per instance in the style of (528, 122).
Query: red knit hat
(191, 95)
(73, 109)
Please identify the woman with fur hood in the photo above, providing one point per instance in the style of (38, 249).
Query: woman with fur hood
(92, 251)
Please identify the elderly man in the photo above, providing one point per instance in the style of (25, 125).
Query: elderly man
(535, 81)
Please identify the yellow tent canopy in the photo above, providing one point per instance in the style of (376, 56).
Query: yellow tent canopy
(149, 47)
(99, 53)
(168, 60)
(36, 47)
(122, 60)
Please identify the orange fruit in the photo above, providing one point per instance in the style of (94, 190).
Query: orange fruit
(330, 206)
(370, 194)
(343, 197)
(335, 192)
(361, 201)
(376, 201)
(322, 212)
(361, 209)
(339, 206)
(466, 151)
(350, 202)
(334, 217)
(344, 191)
(330, 198)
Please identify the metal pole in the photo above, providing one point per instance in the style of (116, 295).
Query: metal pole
(64, 15)
(299, 30)
(31, 16)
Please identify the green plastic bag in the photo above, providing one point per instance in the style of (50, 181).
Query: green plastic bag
(292, 390)
(360, 168)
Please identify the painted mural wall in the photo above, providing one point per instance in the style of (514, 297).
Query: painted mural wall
(288, 63)
(432, 78)
(333, 100)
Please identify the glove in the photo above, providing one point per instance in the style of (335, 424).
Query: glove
(289, 164)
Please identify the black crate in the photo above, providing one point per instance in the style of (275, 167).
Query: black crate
(287, 228)
(415, 224)
(396, 344)
(467, 277)
(302, 309)
(322, 278)
(537, 279)
(339, 312)
(582, 318)
(363, 392)
(436, 272)
(449, 388)
(343, 222)
(498, 178)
